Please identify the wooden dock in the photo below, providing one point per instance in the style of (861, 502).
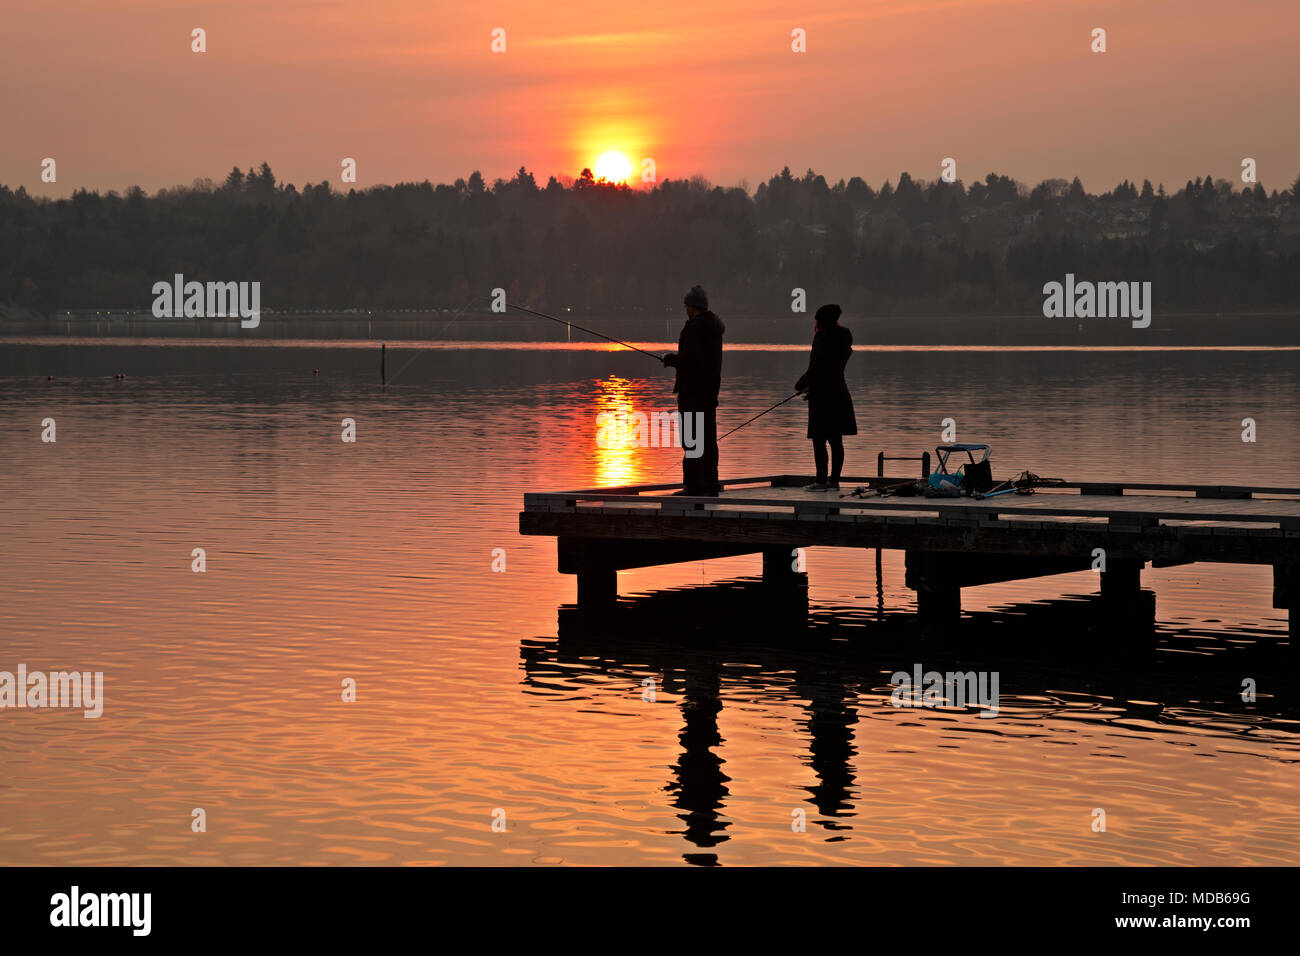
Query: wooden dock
(950, 543)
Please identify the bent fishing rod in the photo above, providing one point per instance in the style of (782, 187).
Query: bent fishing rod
(750, 421)
(574, 325)
(610, 338)
(761, 414)
(657, 358)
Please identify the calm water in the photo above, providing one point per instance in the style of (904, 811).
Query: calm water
(479, 690)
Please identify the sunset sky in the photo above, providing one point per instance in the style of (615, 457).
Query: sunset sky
(412, 91)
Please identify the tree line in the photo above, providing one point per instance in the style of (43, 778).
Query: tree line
(905, 247)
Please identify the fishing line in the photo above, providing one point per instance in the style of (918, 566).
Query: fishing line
(419, 352)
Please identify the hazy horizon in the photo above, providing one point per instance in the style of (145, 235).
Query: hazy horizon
(1183, 90)
(214, 181)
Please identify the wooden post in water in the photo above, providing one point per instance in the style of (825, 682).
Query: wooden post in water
(934, 577)
(880, 588)
(1286, 594)
(1128, 613)
(383, 363)
(880, 574)
(1121, 581)
(778, 566)
(938, 606)
(597, 587)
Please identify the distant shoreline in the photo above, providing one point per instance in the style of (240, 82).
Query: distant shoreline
(54, 341)
(330, 314)
(1188, 329)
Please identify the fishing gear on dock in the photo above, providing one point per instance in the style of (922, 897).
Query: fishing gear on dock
(1023, 484)
(972, 478)
(882, 491)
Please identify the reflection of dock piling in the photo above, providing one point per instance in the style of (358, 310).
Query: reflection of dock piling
(950, 543)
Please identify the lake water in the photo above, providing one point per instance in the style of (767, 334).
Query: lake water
(478, 690)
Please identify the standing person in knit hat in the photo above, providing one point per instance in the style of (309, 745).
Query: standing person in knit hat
(830, 407)
(698, 361)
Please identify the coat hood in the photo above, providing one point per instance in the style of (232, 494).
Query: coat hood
(710, 320)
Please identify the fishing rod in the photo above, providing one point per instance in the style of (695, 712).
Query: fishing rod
(574, 325)
(657, 358)
(743, 424)
(608, 338)
(761, 414)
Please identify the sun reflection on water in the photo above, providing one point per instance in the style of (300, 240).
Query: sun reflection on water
(617, 461)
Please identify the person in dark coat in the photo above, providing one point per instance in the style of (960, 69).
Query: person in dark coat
(698, 361)
(830, 407)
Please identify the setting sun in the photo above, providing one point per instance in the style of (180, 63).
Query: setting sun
(613, 166)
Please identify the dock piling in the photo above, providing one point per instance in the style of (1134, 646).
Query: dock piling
(1122, 580)
(1286, 594)
(597, 588)
(948, 544)
(778, 566)
(938, 606)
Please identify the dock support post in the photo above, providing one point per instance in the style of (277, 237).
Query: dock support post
(597, 588)
(938, 605)
(1286, 593)
(778, 566)
(936, 579)
(1122, 580)
(1128, 613)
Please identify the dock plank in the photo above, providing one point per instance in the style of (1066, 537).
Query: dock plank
(1116, 508)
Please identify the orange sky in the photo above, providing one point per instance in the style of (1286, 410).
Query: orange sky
(411, 89)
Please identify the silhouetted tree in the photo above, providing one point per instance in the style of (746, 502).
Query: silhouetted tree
(921, 247)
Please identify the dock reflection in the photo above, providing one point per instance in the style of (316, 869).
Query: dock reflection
(699, 786)
(743, 640)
